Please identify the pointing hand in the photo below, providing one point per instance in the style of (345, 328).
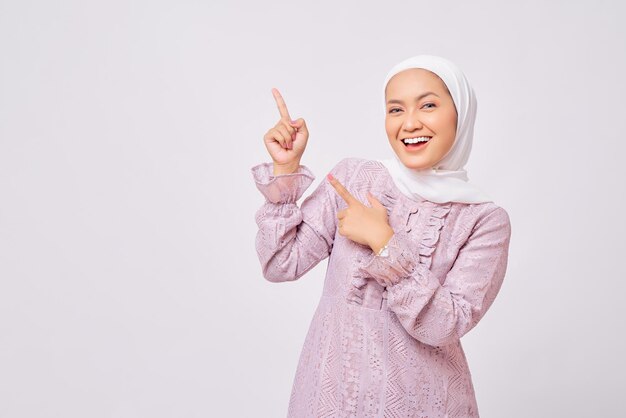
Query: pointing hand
(287, 140)
(367, 225)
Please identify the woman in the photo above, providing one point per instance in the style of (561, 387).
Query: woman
(416, 253)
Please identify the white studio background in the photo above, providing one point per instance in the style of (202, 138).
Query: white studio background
(129, 281)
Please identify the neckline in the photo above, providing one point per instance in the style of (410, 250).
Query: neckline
(397, 189)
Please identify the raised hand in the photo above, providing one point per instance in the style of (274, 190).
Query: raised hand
(360, 223)
(287, 140)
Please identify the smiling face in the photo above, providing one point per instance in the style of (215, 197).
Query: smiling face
(418, 104)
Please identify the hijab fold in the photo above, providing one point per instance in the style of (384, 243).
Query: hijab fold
(447, 181)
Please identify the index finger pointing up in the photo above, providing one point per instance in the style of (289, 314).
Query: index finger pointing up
(282, 107)
(342, 191)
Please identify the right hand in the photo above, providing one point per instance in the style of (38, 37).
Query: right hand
(287, 140)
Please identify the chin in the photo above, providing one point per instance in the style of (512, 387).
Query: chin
(414, 163)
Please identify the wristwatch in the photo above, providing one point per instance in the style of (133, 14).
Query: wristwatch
(383, 252)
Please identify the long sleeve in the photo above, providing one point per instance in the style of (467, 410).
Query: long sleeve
(291, 240)
(440, 312)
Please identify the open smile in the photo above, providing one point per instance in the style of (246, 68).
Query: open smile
(416, 143)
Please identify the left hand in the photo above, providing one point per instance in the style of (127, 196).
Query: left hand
(360, 223)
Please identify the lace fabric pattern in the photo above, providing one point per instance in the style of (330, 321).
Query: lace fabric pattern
(384, 340)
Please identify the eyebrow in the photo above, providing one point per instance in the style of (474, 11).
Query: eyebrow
(417, 99)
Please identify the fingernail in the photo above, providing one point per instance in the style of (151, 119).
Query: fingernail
(294, 122)
(330, 176)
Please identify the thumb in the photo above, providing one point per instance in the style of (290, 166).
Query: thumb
(375, 202)
(299, 124)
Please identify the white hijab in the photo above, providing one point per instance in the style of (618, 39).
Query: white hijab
(447, 181)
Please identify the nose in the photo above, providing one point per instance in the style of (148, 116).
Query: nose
(412, 121)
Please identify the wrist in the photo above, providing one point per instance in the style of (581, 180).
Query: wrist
(286, 168)
(382, 240)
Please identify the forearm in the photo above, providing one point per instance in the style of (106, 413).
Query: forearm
(292, 239)
(287, 246)
(440, 310)
(428, 311)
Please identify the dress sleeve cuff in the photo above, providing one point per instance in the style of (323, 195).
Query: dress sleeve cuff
(408, 257)
(281, 188)
(400, 263)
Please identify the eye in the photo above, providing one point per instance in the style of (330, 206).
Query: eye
(392, 110)
(426, 104)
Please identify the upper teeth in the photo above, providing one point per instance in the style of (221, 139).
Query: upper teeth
(416, 140)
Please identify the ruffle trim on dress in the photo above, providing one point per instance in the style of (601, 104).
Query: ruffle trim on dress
(356, 294)
(426, 247)
(432, 232)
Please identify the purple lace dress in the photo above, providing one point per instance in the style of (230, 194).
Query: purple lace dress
(371, 350)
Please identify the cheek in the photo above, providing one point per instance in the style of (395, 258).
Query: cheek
(452, 120)
(448, 128)
(390, 129)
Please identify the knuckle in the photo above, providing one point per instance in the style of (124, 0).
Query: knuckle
(289, 128)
